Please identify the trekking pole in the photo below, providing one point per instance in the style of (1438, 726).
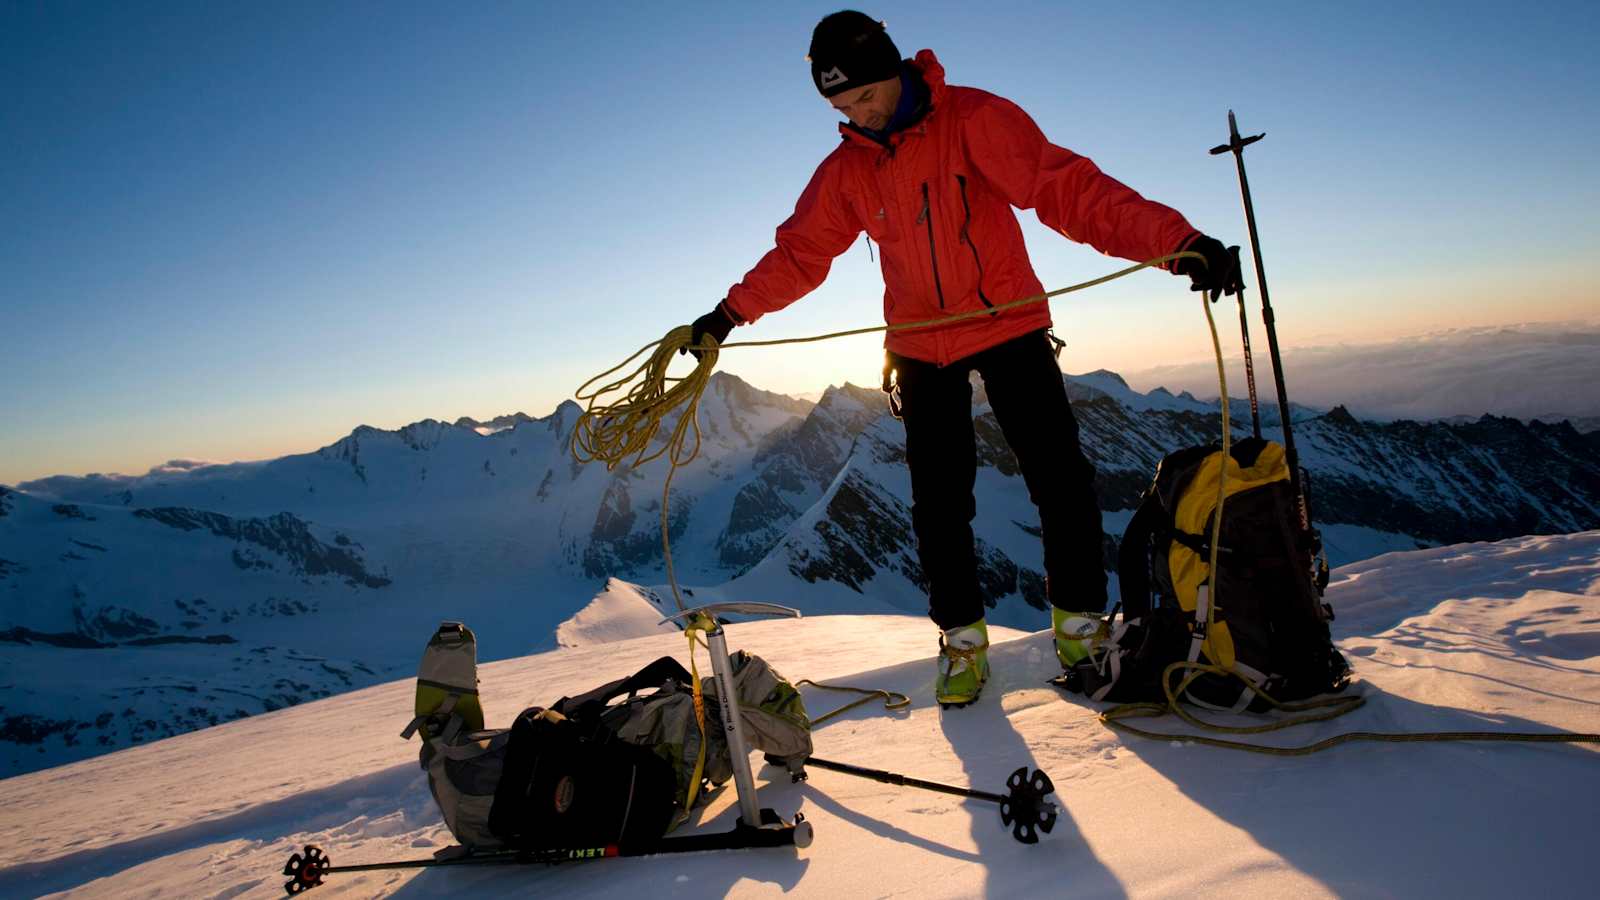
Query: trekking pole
(752, 816)
(1249, 364)
(308, 867)
(1024, 808)
(1237, 145)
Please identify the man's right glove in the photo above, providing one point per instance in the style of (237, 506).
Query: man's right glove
(1219, 274)
(717, 323)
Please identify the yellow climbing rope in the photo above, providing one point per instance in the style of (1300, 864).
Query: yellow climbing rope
(696, 625)
(892, 700)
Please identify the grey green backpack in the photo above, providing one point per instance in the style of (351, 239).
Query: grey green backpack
(613, 765)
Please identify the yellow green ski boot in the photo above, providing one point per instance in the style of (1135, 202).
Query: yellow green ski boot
(1076, 634)
(447, 686)
(963, 664)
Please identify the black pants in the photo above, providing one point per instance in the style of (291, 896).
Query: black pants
(1030, 401)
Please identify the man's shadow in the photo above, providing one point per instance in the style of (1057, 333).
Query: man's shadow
(991, 749)
(1393, 819)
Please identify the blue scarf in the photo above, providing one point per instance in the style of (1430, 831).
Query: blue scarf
(911, 108)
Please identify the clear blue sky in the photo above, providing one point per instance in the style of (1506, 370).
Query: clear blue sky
(236, 230)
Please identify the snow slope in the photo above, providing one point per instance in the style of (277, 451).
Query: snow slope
(1502, 636)
(619, 612)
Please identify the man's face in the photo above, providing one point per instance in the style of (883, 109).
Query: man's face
(871, 105)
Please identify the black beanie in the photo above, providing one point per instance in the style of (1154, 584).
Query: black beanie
(850, 49)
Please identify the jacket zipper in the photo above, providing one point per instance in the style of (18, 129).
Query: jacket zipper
(967, 239)
(933, 255)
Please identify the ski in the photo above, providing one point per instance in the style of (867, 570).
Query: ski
(307, 868)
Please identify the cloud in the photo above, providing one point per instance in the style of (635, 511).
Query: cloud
(1546, 371)
(179, 466)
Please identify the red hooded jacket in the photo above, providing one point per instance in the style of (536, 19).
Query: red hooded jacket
(938, 201)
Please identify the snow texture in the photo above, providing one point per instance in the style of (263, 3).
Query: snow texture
(1485, 637)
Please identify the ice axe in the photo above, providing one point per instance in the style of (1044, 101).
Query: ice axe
(706, 619)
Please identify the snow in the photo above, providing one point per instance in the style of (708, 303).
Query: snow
(1502, 636)
(619, 612)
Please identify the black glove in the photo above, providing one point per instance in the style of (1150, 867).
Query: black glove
(716, 323)
(1219, 274)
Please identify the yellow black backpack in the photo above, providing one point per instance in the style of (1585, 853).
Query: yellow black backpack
(1269, 624)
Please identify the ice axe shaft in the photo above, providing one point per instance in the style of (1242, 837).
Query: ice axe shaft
(728, 696)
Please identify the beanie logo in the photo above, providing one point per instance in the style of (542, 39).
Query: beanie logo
(831, 78)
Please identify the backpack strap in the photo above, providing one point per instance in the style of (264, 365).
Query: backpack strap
(1200, 544)
(1133, 554)
(1202, 609)
(447, 708)
(592, 703)
(472, 749)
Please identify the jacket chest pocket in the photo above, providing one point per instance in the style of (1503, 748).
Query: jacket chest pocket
(877, 219)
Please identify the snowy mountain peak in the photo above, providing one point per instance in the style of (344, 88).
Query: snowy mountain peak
(741, 395)
(1101, 383)
(496, 424)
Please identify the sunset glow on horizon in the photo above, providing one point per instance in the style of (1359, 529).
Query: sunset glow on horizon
(240, 232)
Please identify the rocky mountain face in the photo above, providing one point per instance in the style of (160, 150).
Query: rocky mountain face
(793, 465)
(1374, 488)
(1444, 483)
(130, 606)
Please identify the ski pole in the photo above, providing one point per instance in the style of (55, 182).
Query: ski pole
(1024, 808)
(1249, 364)
(1237, 145)
(307, 867)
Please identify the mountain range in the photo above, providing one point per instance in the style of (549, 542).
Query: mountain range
(133, 608)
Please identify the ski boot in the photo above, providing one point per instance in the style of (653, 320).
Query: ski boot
(447, 686)
(1076, 635)
(963, 664)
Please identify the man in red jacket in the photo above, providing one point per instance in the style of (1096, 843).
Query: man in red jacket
(932, 172)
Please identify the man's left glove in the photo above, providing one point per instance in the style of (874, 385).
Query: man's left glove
(1219, 274)
(717, 323)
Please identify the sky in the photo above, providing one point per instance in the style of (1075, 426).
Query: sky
(234, 231)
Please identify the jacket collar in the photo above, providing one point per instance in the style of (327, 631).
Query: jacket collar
(927, 65)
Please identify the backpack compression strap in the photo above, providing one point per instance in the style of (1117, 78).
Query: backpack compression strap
(652, 676)
(447, 708)
(1133, 556)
